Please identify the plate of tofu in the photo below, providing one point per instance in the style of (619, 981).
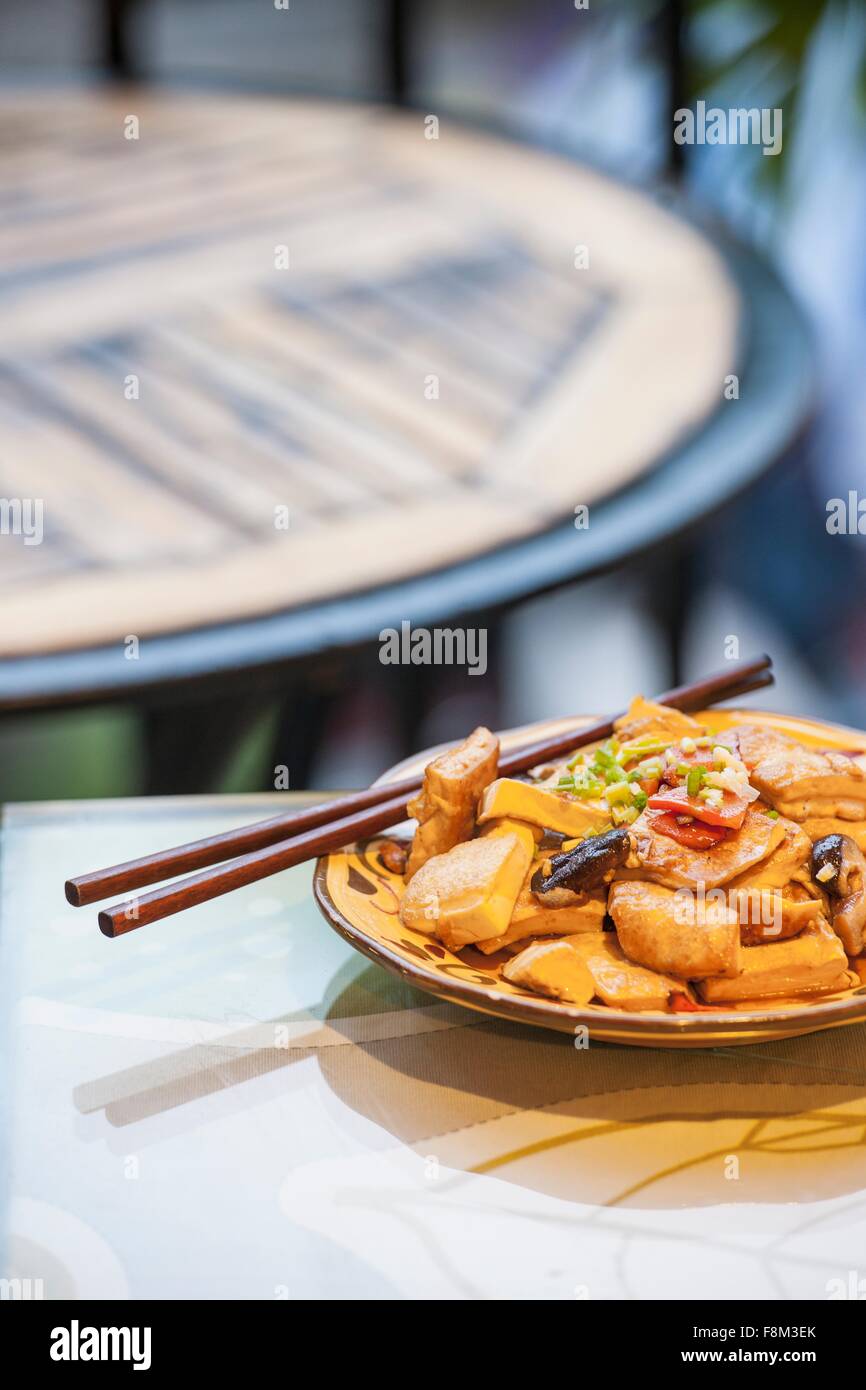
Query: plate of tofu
(694, 880)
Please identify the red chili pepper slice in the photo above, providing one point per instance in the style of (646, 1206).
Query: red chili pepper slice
(694, 834)
(730, 815)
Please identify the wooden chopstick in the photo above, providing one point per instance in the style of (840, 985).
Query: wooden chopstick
(389, 809)
(198, 854)
(249, 868)
(215, 849)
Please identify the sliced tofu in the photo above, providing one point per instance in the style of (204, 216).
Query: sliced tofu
(506, 797)
(618, 982)
(790, 855)
(646, 719)
(445, 808)
(812, 963)
(816, 827)
(658, 858)
(839, 807)
(802, 782)
(674, 932)
(529, 835)
(554, 969)
(532, 918)
(468, 894)
(774, 914)
(768, 904)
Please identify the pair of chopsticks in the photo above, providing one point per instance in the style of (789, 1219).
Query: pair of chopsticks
(256, 851)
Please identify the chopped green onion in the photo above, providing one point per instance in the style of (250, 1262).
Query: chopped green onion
(774, 815)
(587, 788)
(649, 768)
(623, 815)
(694, 779)
(640, 800)
(620, 792)
(644, 747)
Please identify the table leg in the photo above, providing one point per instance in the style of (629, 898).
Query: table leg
(442, 703)
(669, 582)
(671, 20)
(116, 41)
(397, 50)
(301, 724)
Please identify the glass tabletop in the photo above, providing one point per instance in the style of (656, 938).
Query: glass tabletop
(236, 1084)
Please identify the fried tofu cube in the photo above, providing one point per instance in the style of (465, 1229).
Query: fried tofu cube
(446, 806)
(657, 858)
(774, 915)
(468, 894)
(529, 835)
(533, 918)
(790, 855)
(618, 982)
(549, 810)
(675, 932)
(816, 827)
(812, 963)
(646, 719)
(802, 783)
(554, 969)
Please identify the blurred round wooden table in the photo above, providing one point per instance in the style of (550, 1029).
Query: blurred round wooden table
(281, 373)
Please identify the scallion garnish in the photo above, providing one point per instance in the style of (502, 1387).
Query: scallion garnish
(642, 748)
(618, 793)
(695, 778)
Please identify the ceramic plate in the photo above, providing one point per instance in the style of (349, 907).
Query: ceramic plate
(361, 898)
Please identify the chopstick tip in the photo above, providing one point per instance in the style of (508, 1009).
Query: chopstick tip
(106, 924)
(73, 896)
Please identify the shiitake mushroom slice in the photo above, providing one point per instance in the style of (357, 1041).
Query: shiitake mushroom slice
(585, 866)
